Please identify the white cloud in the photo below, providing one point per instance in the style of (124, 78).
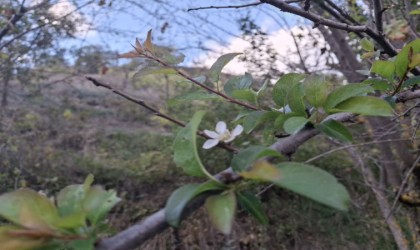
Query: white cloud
(284, 45)
(64, 8)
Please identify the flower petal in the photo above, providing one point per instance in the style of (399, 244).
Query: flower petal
(237, 130)
(211, 134)
(210, 143)
(221, 127)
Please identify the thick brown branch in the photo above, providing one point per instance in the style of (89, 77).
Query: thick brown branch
(319, 20)
(377, 6)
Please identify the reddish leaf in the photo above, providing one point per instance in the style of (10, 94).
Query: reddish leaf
(131, 54)
(148, 43)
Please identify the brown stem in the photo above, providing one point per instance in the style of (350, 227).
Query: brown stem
(189, 78)
(155, 111)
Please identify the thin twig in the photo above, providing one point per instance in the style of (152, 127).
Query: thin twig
(189, 78)
(226, 6)
(355, 145)
(402, 185)
(155, 111)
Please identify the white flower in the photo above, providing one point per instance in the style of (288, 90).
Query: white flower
(221, 134)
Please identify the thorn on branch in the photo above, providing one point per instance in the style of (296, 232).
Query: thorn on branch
(307, 5)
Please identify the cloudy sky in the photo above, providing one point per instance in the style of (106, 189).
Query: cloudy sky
(215, 30)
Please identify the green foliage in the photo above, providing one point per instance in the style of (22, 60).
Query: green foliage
(180, 198)
(364, 105)
(221, 209)
(283, 86)
(294, 124)
(397, 68)
(244, 159)
(316, 90)
(313, 183)
(335, 130)
(252, 205)
(238, 82)
(38, 222)
(367, 45)
(216, 68)
(185, 149)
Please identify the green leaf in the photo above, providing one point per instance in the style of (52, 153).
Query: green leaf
(365, 105)
(185, 149)
(252, 120)
(313, 183)
(367, 45)
(98, 203)
(415, 12)
(221, 209)
(411, 82)
(85, 244)
(263, 88)
(29, 209)
(191, 96)
(252, 205)
(282, 87)
(262, 171)
(345, 92)
(244, 159)
(316, 90)
(70, 200)
(415, 61)
(217, 67)
(72, 221)
(155, 70)
(402, 61)
(248, 95)
(295, 99)
(239, 82)
(180, 198)
(255, 118)
(377, 84)
(385, 69)
(335, 130)
(281, 118)
(294, 124)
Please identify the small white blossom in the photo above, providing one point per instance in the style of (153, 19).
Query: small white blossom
(221, 134)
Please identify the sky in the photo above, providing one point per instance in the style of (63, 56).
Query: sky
(116, 27)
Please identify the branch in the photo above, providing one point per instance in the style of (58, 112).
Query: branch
(378, 11)
(319, 20)
(155, 111)
(22, 11)
(338, 15)
(342, 12)
(189, 78)
(226, 7)
(408, 95)
(400, 190)
(135, 235)
(42, 25)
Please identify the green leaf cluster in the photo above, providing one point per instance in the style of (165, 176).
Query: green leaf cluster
(75, 217)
